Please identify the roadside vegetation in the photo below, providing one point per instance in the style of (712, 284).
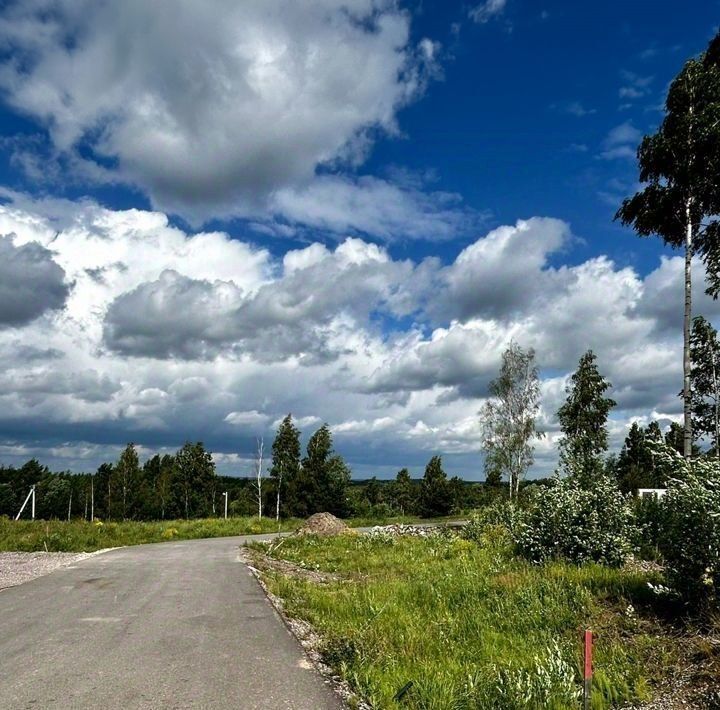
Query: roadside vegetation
(84, 536)
(471, 625)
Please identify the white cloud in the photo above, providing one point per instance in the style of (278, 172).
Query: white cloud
(382, 208)
(249, 419)
(211, 108)
(487, 10)
(621, 142)
(217, 340)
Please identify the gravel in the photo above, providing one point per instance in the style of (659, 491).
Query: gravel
(19, 567)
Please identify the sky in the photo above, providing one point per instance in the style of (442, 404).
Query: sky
(215, 213)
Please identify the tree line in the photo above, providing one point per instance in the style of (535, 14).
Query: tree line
(186, 485)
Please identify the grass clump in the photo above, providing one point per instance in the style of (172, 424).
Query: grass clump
(471, 626)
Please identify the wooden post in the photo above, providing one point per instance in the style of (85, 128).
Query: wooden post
(587, 675)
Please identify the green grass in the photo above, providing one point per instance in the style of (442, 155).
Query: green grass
(82, 536)
(470, 626)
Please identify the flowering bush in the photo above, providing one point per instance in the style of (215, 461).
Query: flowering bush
(690, 535)
(578, 524)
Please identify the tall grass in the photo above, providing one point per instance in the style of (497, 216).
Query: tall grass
(83, 536)
(470, 626)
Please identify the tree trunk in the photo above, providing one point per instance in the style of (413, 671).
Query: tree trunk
(687, 437)
(277, 501)
(716, 407)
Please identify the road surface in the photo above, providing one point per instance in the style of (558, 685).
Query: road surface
(170, 625)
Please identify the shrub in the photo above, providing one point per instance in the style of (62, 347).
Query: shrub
(690, 537)
(579, 524)
(500, 514)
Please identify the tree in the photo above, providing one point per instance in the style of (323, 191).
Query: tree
(195, 472)
(321, 483)
(633, 462)
(164, 483)
(402, 493)
(705, 381)
(681, 198)
(258, 484)
(285, 457)
(583, 420)
(435, 491)
(675, 439)
(373, 493)
(508, 419)
(124, 480)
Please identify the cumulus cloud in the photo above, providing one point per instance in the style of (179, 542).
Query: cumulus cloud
(31, 282)
(503, 271)
(168, 336)
(243, 100)
(300, 315)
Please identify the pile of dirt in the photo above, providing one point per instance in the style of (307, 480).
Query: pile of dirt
(324, 524)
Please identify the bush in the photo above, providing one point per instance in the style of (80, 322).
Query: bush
(690, 538)
(577, 524)
(500, 514)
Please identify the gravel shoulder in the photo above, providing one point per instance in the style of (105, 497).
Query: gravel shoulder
(19, 567)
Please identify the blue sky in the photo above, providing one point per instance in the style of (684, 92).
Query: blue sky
(336, 212)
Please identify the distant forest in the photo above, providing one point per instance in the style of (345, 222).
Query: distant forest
(186, 485)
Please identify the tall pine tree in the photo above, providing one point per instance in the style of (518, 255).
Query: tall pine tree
(436, 495)
(583, 420)
(285, 465)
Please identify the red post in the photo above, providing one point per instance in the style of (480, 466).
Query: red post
(587, 676)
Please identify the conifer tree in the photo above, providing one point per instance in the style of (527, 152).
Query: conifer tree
(435, 492)
(403, 493)
(322, 481)
(583, 420)
(285, 465)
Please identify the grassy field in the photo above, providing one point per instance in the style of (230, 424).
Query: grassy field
(83, 536)
(471, 626)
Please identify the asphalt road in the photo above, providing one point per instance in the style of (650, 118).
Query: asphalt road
(171, 625)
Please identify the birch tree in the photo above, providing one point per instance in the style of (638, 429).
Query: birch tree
(680, 200)
(508, 418)
(258, 485)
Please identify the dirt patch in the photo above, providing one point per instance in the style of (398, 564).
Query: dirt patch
(260, 561)
(324, 524)
(19, 567)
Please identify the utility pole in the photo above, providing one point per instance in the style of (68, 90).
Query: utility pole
(226, 503)
(92, 498)
(30, 495)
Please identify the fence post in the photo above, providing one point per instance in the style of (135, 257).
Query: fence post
(587, 675)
